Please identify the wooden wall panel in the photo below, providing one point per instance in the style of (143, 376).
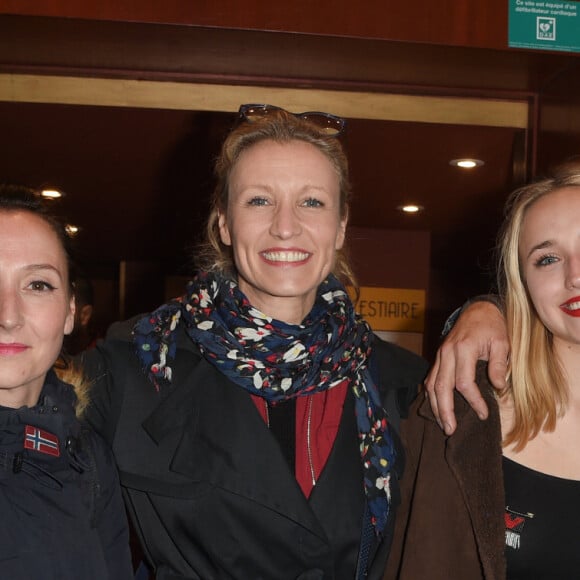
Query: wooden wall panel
(133, 50)
(559, 121)
(225, 98)
(449, 22)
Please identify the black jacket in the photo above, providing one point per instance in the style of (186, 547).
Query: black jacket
(61, 505)
(207, 487)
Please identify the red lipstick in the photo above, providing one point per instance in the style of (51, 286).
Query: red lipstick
(12, 348)
(571, 307)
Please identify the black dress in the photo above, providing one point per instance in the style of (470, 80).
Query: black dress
(541, 520)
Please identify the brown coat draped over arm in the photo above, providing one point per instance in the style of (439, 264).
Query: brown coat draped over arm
(450, 525)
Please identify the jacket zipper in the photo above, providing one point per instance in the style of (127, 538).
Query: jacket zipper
(308, 441)
(308, 446)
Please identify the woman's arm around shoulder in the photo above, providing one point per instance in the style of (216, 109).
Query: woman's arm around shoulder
(479, 333)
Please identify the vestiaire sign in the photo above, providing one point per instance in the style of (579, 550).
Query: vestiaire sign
(544, 25)
(394, 309)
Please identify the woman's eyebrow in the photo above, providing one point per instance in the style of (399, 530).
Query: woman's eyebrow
(38, 267)
(540, 246)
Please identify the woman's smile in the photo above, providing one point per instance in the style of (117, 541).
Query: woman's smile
(571, 307)
(284, 257)
(284, 225)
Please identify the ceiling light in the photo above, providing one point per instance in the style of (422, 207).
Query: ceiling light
(51, 193)
(71, 230)
(411, 208)
(467, 163)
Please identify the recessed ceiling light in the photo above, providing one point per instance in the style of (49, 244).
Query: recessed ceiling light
(467, 163)
(71, 230)
(51, 193)
(411, 208)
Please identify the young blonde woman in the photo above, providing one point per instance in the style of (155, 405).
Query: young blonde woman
(501, 498)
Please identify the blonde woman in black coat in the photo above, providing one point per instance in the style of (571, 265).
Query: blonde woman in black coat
(248, 417)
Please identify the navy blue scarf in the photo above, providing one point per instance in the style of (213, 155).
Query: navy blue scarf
(279, 361)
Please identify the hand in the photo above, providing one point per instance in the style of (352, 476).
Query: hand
(479, 334)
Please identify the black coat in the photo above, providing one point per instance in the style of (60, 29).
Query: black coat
(56, 523)
(206, 484)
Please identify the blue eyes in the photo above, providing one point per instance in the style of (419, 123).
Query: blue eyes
(258, 201)
(546, 260)
(262, 201)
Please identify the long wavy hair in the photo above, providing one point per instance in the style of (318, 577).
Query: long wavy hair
(280, 127)
(536, 380)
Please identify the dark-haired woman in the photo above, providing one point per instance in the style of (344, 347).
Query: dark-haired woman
(61, 505)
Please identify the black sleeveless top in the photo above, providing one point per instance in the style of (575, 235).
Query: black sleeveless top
(542, 519)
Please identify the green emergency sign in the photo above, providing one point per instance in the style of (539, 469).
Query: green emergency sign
(544, 25)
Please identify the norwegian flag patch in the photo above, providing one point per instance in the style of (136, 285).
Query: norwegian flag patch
(41, 441)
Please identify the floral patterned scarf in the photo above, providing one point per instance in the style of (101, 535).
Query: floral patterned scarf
(279, 361)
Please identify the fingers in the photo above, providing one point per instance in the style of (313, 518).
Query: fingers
(465, 381)
(498, 362)
(454, 368)
(479, 333)
(440, 384)
(430, 389)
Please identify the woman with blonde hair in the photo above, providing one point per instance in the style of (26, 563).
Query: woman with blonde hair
(499, 499)
(248, 417)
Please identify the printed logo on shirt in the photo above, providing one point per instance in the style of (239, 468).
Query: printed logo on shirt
(41, 441)
(514, 526)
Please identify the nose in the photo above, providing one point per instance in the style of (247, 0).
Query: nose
(10, 309)
(573, 273)
(285, 222)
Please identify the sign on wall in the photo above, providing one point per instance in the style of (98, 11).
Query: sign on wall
(393, 309)
(544, 25)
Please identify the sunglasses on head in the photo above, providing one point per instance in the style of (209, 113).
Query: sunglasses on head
(328, 124)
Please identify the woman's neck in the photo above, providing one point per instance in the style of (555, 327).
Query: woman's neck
(551, 452)
(569, 356)
(288, 309)
(23, 396)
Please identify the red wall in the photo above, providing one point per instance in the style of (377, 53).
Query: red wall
(559, 121)
(390, 258)
(451, 22)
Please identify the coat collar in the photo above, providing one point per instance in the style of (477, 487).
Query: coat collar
(224, 441)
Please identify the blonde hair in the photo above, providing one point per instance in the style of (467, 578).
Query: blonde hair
(281, 127)
(73, 375)
(536, 380)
